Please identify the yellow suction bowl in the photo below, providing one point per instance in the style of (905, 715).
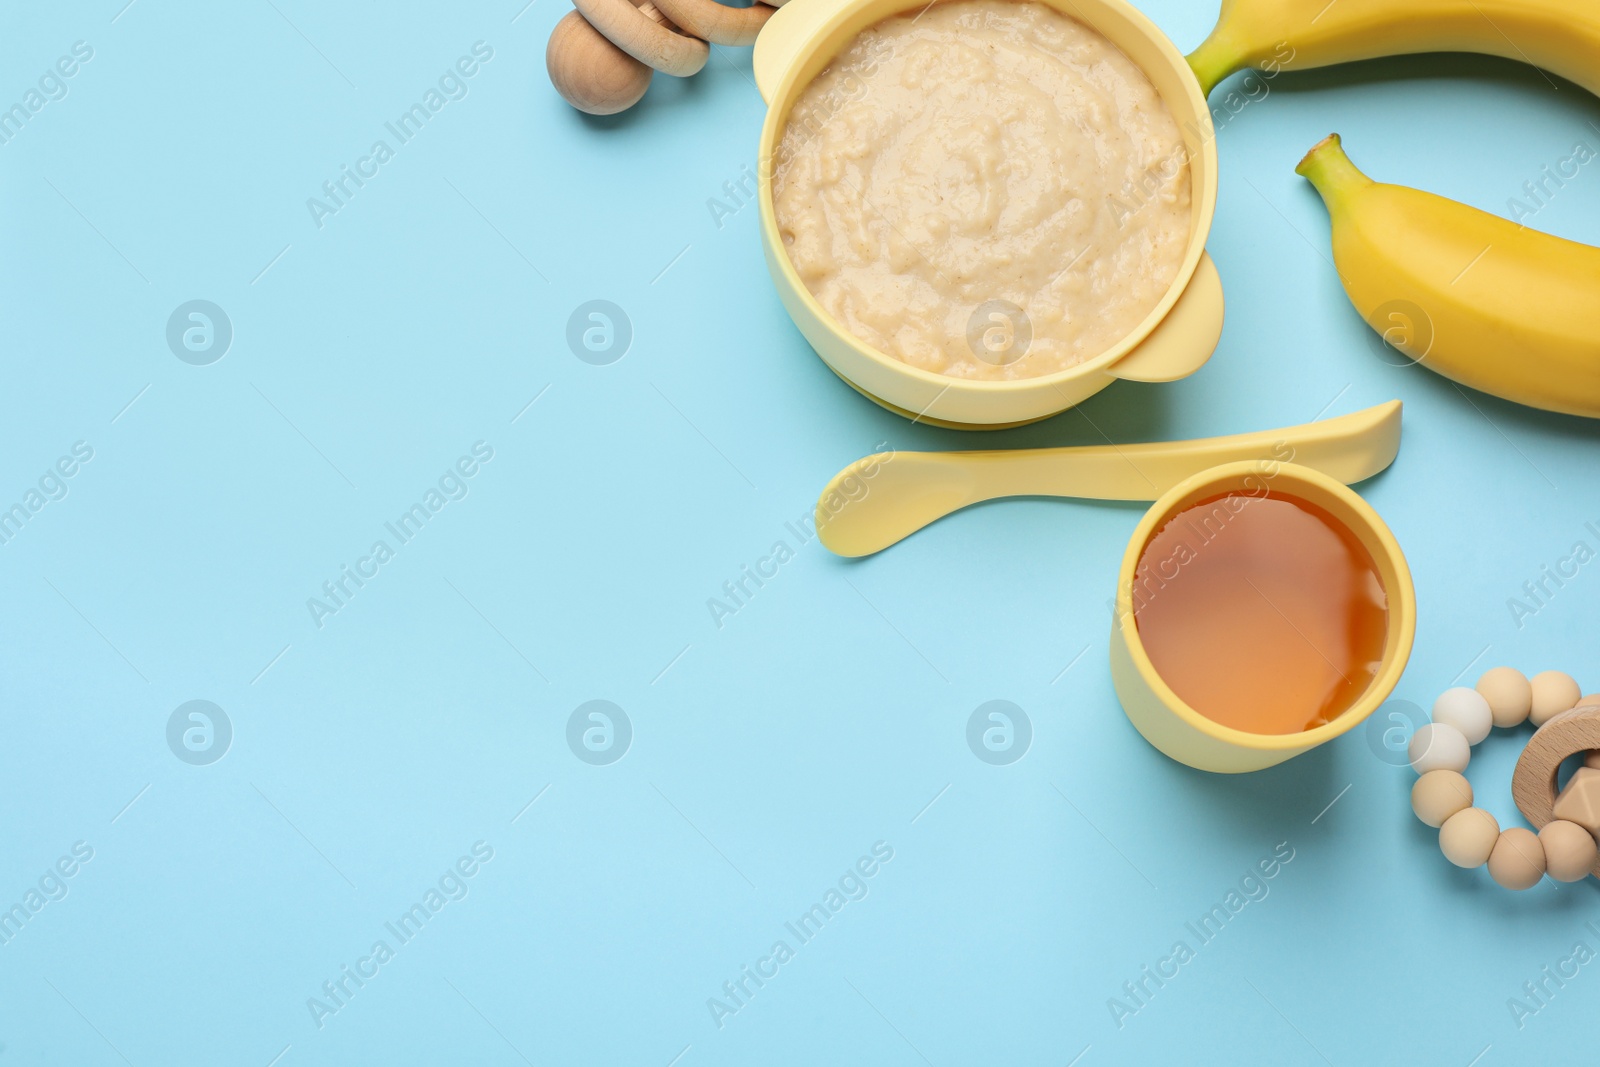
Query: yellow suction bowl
(1182, 732)
(1173, 341)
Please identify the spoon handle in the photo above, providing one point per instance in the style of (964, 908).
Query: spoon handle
(1350, 448)
(884, 498)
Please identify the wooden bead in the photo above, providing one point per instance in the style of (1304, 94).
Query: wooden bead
(1509, 694)
(1468, 837)
(1552, 692)
(717, 23)
(1569, 850)
(650, 42)
(591, 73)
(1439, 795)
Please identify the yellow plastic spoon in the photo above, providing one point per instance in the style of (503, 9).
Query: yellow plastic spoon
(889, 496)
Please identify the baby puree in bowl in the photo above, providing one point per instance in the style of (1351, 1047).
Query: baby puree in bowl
(984, 189)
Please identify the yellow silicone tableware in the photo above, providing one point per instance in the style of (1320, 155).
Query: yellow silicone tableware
(1174, 340)
(1182, 732)
(886, 497)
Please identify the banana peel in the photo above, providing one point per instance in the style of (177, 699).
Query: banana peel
(1492, 305)
(1562, 36)
(1485, 302)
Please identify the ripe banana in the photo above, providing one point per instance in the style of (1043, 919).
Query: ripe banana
(1559, 35)
(1477, 298)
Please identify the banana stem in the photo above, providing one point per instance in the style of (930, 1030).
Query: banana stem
(1215, 59)
(1331, 171)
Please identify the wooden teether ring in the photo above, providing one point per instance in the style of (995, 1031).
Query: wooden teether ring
(717, 23)
(1533, 785)
(648, 41)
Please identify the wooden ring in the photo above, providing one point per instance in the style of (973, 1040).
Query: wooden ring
(717, 23)
(646, 40)
(1533, 784)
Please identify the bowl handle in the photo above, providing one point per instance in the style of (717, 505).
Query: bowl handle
(785, 33)
(1185, 339)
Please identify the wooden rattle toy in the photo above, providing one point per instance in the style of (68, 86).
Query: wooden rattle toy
(1565, 847)
(601, 56)
(1533, 784)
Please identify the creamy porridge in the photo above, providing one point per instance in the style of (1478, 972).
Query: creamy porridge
(988, 189)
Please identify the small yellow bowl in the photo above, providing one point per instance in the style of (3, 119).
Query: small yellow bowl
(1182, 732)
(1172, 342)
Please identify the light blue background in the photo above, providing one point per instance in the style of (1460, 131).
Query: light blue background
(768, 755)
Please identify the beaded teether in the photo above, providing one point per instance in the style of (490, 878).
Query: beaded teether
(1565, 846)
